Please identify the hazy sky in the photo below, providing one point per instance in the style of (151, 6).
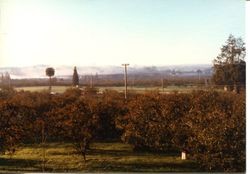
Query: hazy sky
(112, 32)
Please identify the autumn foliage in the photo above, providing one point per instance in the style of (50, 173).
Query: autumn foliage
(208, 125)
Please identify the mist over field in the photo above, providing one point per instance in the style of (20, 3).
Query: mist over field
(38, 71)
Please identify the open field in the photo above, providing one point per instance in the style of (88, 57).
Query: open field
(58, 89)
(61, 89)
(103, 157)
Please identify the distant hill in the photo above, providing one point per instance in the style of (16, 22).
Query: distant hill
(38, 71)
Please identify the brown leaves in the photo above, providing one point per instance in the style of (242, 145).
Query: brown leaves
(209, 125)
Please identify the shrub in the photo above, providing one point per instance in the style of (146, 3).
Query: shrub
(152, 119)
(12, 125)
(217, 121)
(210, 126)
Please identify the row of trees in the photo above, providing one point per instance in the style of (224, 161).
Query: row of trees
(38, 117)
(209, 126)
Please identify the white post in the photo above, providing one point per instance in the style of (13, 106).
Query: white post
(183, 155)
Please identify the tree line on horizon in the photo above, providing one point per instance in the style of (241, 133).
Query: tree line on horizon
(229, 71)
(229, 66)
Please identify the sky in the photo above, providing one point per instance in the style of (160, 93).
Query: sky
(112, 32)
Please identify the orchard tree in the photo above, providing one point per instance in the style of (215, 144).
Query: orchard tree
(76, 122)
(75, 79)
(110, 106)
(154, 122)
(229, 65)
(83, 126)
(6, 93)
(39, 125)
(216, 125)
(145, 126)
(50, 72)
(13, 119)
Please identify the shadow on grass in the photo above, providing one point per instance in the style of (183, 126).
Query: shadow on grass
(10, 164)
(47, 145)
(106, 166)
(142, 164)
(124, 153)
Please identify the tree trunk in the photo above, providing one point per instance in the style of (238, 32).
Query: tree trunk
(84, 156)
(49, 84)
(43, 147)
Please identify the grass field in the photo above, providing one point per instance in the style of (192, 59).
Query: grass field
(58, 89)
(103, 157)
(61, 89)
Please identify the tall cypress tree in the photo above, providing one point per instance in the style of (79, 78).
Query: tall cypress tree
(75, 79)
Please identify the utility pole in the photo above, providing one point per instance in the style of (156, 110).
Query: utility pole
(162, 83)
(125, 79)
